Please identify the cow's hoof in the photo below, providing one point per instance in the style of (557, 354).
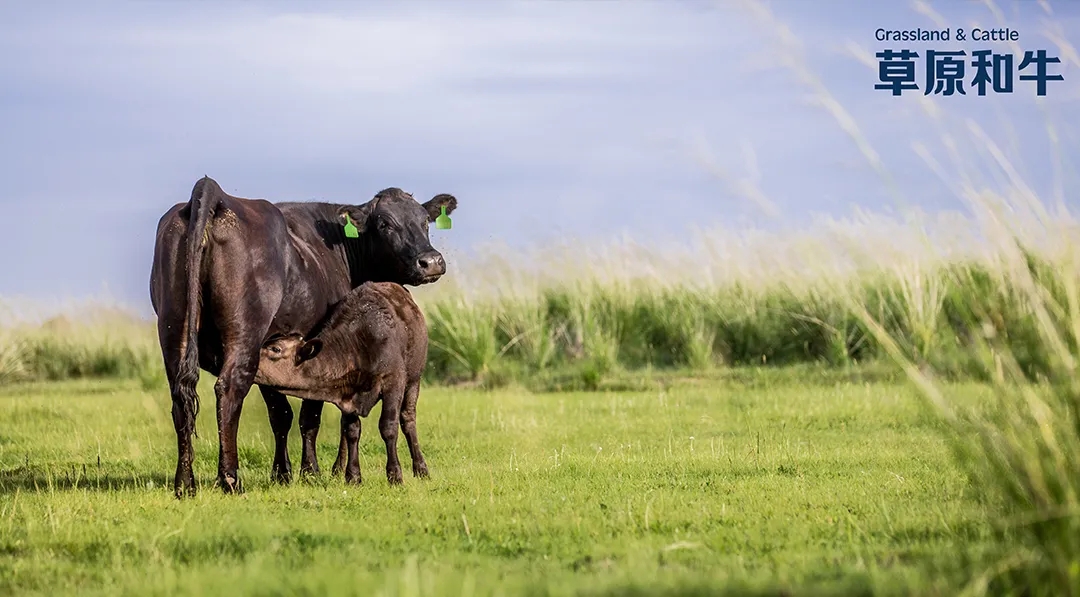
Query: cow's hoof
(282, 474)
(230, 484)
(338, 468)
(184, 485)
(182, 492)
(394, 476)
(352, 478)
(420, 471)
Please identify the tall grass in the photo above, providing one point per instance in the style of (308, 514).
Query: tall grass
(1013, 319)
(88, 342)
(1023, 452)
(600, 325)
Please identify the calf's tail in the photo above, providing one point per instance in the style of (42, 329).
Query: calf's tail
(204, 199)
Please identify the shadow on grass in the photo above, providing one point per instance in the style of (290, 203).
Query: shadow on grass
(38, 479)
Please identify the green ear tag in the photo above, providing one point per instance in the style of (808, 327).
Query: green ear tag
(443, 221)
(350, 228)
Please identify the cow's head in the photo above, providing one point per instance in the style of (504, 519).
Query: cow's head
(394, 231)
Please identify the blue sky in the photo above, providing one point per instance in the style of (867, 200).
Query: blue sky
(545, 119)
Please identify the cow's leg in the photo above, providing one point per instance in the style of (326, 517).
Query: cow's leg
(184, 424)
(350, 438)
(343, 447)
(245, 280)
(310, 418)
(183, 394)
(183, 421)
(388, 429)
(408, 425)
(281, 418)
(231, 388)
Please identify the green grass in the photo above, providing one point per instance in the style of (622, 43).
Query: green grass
(578, 335)
(673, 454)
(746, 483)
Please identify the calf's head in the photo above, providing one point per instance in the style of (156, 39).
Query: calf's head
(394, 233)
(281, 359)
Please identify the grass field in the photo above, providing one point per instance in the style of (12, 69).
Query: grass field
(754, 482)
(600, 436)
(876, 405)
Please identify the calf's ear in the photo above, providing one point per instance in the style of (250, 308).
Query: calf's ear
(309, 350)
(435, 205)
(359, 214)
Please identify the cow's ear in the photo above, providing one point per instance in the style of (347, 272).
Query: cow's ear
(309, 350)
(434, 207)
(359, 214)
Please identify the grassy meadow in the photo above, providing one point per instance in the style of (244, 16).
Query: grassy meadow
(876, 405)
(903, 427)
(745, 484)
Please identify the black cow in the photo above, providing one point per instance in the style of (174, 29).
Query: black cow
(230, 273)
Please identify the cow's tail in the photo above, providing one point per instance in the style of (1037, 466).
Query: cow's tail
(204, 200)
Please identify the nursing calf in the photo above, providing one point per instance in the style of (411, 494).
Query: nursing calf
(373, 346)
(230, 272)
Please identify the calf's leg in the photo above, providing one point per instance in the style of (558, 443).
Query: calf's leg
(350, 438)
(343, 449)
(281, 418)
(388, 429)
(408, 425)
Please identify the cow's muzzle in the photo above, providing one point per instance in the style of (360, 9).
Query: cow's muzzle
(431, 265)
